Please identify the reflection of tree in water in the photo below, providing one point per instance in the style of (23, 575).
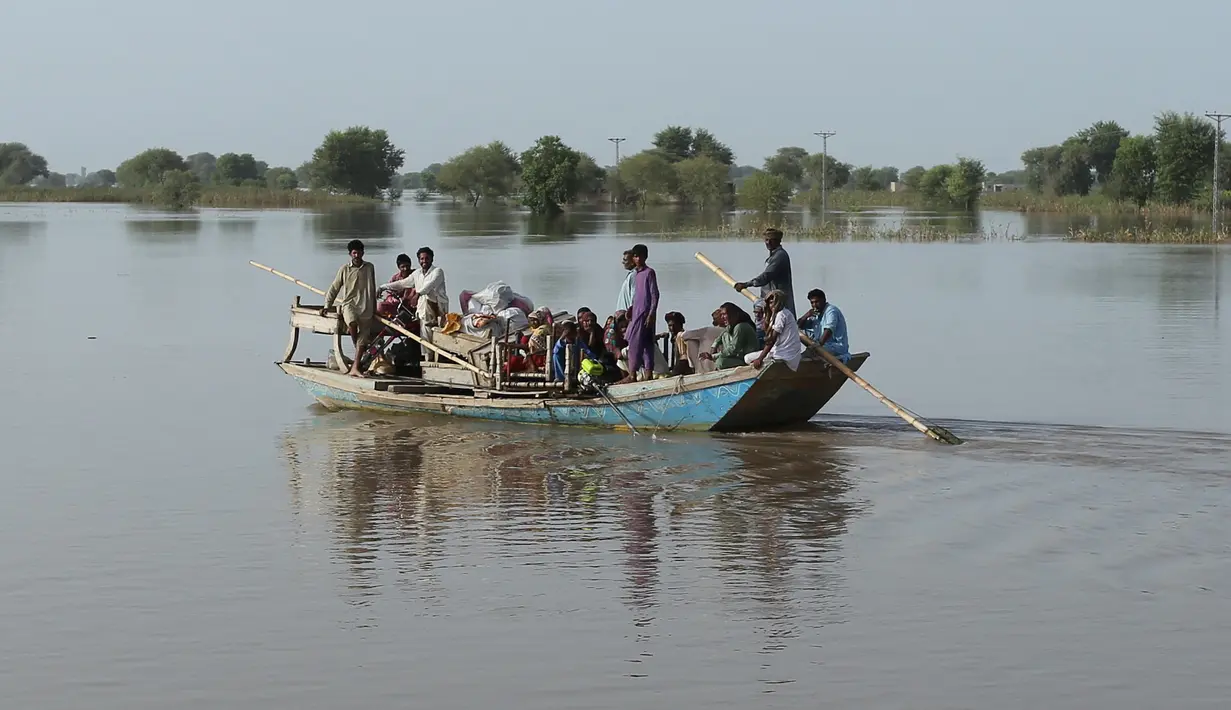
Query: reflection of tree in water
(485, 220)
(237, 227)
(369, 482)
(161, 231)
(376, 225)
(787, 506)
(558, 228)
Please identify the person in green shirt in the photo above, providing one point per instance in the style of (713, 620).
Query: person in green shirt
(354, 289)
(739, 338)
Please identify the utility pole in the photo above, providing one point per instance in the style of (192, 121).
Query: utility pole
(617, 142)
(1217, 118)
(825, 135)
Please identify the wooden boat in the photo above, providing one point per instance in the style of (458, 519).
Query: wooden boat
(738, 399)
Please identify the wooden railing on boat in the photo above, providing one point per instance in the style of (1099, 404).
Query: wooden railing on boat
(489, 355)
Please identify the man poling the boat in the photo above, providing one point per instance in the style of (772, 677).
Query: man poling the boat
(777, 273)
(354, 289)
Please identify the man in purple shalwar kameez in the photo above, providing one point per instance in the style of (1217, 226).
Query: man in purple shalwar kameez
(640, 333)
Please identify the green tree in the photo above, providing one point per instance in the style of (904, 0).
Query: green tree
(1132, 174)
(412, 181)
(591, 177)
(789, 163)
(1073, 173)
(304, 175)
(429, 180)
(1102, 140)
(281, 179)
(177, 189)
(764, 192)
(837, 173)
(549, 175)
(1041, 165)
(965, 183)
(1184, 152)
(19, 165)
(678, 143)
(702, 180)
(52, 180)
(484, 172)
(705, 145)
(202, 165)
(100, 178)
(647, 175)
(674, 143)
(869, 178)
(146, 168)
(358, 161)
(911, 178)
(934, 184)
(234, 169)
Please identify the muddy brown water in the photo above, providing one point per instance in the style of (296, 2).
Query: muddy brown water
(181, 526)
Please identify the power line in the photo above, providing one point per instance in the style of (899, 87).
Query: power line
(825, 136)
(617, 142)
(1218, 118)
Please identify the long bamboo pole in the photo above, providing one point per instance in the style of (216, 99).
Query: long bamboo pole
(934, 431)
(385, 321)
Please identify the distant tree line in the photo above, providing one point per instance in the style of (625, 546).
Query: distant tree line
(1173, 165)
(685, 165)
(358, 161)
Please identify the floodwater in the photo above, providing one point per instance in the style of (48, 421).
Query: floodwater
(180, 526)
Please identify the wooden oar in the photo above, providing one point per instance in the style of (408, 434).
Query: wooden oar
(936, 432)
(386, 321)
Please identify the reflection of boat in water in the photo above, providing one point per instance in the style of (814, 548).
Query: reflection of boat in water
(738, 399)
(754, 521)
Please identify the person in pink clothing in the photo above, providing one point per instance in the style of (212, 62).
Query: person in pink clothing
(641, 316)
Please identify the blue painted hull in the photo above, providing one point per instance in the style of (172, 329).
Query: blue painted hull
(731, 400)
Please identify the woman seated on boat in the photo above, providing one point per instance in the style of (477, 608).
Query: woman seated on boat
(594, 338)
(568, 342)
(391, 300)
(533, 345)
(737, 339)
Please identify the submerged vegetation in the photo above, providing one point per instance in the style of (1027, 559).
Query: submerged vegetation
(748, 227)
(207, 196)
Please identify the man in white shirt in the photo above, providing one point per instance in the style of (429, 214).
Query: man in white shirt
(428, 283)
(781, 338)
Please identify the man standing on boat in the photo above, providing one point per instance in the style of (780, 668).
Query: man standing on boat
(624, 301)
(428, 283)
(777, 274)
(826, 325)
(354, 289)
(641, 317)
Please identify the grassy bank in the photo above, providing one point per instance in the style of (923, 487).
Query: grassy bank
(1011, 201)
(1026, 201)
(238, 197)
(839, 231)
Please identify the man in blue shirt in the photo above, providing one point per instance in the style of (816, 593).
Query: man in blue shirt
(826, 325)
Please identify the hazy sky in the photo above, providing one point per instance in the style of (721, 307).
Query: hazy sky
(903, 83)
